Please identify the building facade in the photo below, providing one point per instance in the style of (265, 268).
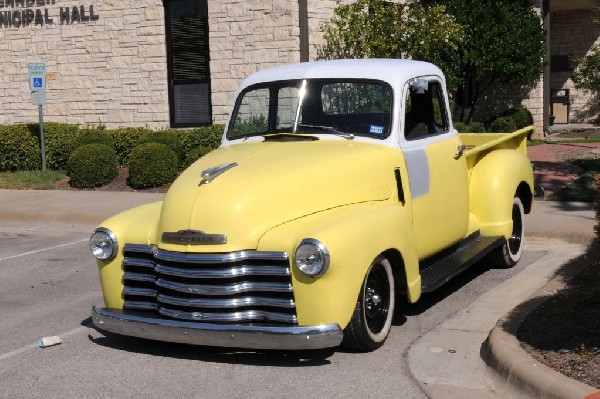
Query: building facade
(177, 63)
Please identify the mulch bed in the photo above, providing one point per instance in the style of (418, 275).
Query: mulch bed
(119, 183)
(564, 332)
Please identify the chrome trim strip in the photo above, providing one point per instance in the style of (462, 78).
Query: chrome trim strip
(139, 262)
(130, 276)
(230, 272)
(140, 291)
(204, 289)
(226, 303)
(184, 257)
(238, 336)
(234, 317)
(141, 305)
(144, 249)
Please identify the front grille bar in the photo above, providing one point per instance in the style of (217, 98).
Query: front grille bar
(243, 286)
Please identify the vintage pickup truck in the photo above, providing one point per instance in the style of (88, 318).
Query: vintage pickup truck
(340, 188)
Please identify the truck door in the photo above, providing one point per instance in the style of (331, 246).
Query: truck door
(438, 179)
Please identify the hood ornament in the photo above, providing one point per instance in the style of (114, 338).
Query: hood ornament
(210, 174)
(193, 237)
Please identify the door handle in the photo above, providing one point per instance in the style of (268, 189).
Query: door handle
(461, 150)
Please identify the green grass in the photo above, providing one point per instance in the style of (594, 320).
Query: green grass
(30, 180)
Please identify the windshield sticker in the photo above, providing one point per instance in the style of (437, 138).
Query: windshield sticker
(376, 129)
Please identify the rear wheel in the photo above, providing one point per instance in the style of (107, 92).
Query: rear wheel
(511, 250)
(372, 318)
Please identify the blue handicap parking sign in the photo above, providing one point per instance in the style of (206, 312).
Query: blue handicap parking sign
(38, 82)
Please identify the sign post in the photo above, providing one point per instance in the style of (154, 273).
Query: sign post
(37, 85)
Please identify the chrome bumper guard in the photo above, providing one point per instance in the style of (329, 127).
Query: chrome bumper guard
(224, 335)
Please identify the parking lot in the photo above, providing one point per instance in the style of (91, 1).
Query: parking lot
(48, 283)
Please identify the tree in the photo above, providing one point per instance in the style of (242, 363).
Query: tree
(381, 29)
(587, 72)
(476, 43)
(504, 43)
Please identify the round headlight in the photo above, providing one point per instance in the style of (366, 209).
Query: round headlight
(103, 244)
(312, 257)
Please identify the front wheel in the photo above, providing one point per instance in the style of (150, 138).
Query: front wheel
(372, 318)
(509, 253)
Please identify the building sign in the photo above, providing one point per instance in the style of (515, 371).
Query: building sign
(21, 13)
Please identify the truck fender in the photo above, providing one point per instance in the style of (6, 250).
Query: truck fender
(354, 236)
(497, 177)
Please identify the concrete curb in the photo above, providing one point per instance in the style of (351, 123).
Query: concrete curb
(439, 358)
(503, 352)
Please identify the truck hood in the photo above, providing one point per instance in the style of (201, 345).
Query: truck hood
(271, 183)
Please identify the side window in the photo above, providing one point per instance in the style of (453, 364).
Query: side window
(425, 110)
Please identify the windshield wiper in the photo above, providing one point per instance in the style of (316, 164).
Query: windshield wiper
(347, 136)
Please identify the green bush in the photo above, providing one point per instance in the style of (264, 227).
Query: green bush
(125, 140)
(503, 124)
(196, 154)
(520, 115)
(19, 149)
(152, 165)
(461, 127)
(59, 142)
(474, 127)
(170, 138)
(477, 127)
(208, 136)
(92, 136)
(92, 165)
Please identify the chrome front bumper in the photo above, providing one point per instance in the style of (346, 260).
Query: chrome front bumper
(225, 335)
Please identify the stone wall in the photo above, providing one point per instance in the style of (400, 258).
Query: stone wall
(105, 59)
(573, 33)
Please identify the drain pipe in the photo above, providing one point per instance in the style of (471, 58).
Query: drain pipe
(303, 17)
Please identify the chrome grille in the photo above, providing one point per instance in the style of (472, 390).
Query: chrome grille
(235, 287)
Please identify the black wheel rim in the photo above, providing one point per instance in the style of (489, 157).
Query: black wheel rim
(514, 242)
(377, 298)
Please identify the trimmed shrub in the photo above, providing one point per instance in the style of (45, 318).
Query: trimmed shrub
(59, 142)
(477, 127)
(125, 140)
(503, 124)
(474, 127)
(92, 165)
(207, 136)
(461, 127)
(92, 136)
(167, 137)
(196, 154)
(520, 115)
(152, 165)
(19, 149)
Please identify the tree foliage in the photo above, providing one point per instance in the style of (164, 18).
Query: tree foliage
(475, 43)
(587, 72)
(381, 29)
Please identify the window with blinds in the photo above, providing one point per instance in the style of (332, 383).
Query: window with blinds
(188, 62)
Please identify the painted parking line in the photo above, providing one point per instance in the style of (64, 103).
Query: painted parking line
(44, 249)
(27, 348)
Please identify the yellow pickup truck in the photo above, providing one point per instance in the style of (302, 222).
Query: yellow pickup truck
(340, 187)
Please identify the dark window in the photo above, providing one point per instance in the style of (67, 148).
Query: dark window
(188, 62)
(560, 63)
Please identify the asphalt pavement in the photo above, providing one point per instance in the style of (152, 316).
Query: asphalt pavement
(450, 361)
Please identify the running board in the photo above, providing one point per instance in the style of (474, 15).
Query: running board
(439, 269)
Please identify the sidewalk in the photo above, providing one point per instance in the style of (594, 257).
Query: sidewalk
(447, 361)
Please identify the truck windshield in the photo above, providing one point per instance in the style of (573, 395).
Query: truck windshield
(313, 106)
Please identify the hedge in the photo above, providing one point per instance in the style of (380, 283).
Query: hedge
(19, 149)
(92, 165)
(152, 165)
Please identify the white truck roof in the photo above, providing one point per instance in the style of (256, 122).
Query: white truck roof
(393, 71)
